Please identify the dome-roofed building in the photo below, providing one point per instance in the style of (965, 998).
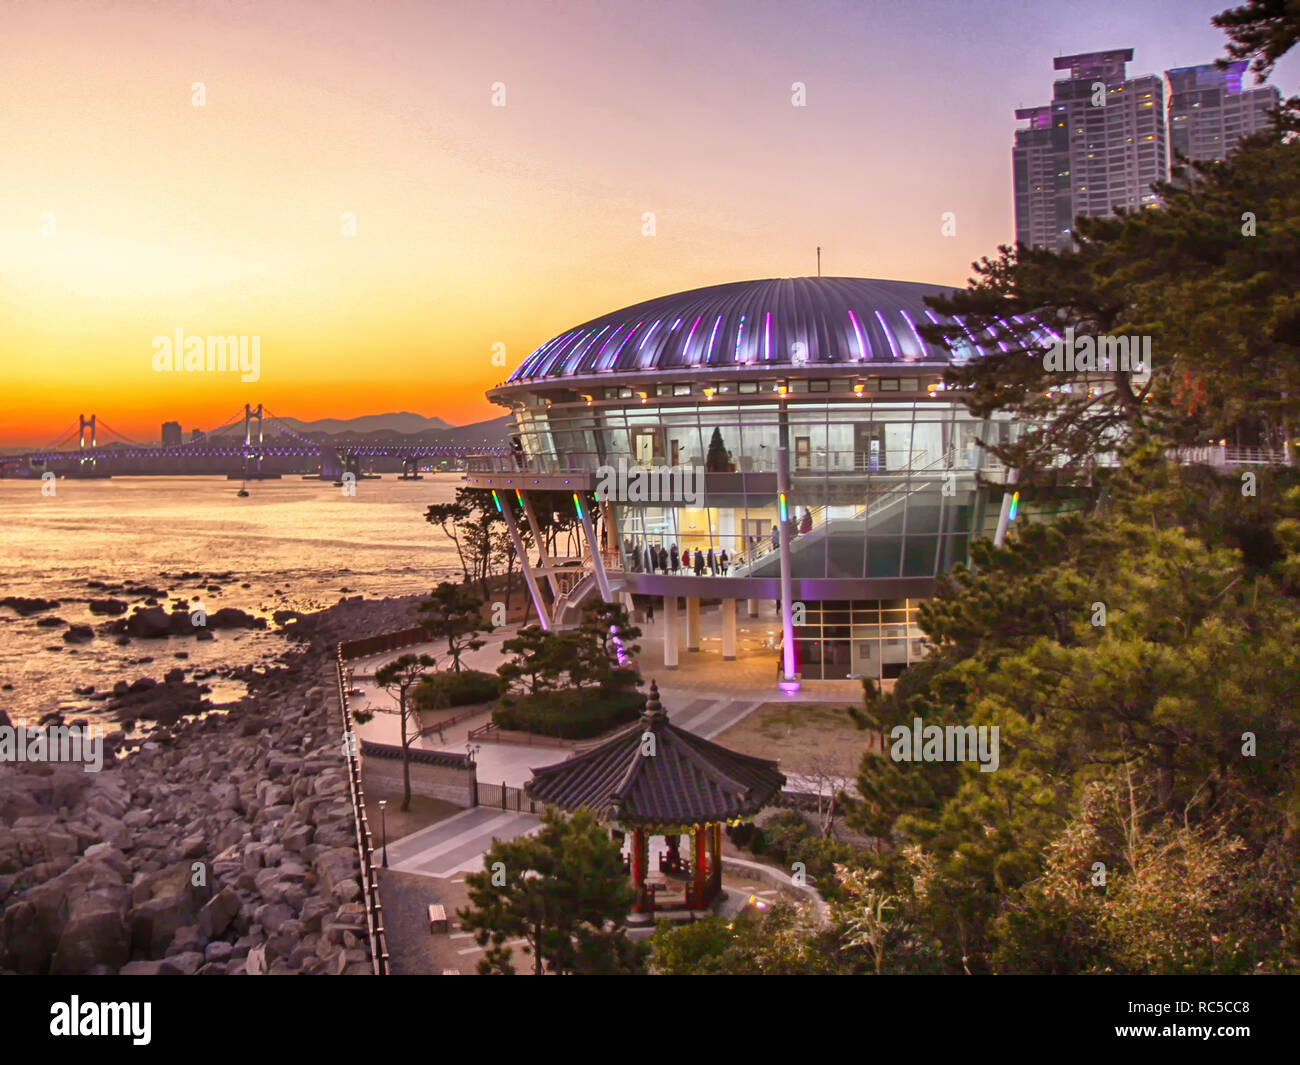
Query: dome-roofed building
(813, 321)
(792, 437)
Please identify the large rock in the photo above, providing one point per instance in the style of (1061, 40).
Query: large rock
(218, 912)
(150, 623)
(26, 607)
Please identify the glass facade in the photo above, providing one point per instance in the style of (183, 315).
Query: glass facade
(859, 638)
(881, 483)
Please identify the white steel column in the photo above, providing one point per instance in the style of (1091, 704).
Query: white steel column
(541, 545)
(598, 563)
(529, 579)
(753, 608)
(670, 631)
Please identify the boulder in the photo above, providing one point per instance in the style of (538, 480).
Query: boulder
(184, 964)
(150, 623)
(26, 607)
(218, 912)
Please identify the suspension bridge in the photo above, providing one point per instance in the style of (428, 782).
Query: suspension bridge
(252, 444)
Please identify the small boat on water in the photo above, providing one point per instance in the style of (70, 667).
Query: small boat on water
(242, 493)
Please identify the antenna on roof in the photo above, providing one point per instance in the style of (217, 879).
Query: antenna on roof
(819, 260)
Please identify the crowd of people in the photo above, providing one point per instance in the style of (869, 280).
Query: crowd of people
(661, 557)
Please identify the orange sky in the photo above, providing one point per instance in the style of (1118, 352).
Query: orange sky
(126, 212)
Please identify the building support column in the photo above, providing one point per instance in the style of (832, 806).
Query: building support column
(692, 623)
(790, 682)
(753, 608)
(529, 578)
(598, 563)
(671, 634)
(728, 630)
(541, 545)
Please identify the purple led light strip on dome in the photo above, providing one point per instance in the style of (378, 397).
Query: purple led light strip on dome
(767, 336)
(687, 346)
(920, 345)
(708, 352)
(889, 336)
(576, 357)
(864, 348)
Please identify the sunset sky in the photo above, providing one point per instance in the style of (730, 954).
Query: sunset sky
(127, 212)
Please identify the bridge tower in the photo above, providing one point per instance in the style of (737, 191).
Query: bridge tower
(249, 415)
(85, 460)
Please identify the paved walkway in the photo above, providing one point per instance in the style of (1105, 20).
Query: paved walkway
(458, 844)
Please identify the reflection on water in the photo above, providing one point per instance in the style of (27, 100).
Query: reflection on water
(296, 544)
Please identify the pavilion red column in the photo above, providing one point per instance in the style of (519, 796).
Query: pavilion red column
(697, 895)
(638, 869)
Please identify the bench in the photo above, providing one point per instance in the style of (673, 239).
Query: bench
(437, 920)
(450, 972)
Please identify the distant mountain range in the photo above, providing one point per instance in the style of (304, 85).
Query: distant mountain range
(402, 422)
(405, 426)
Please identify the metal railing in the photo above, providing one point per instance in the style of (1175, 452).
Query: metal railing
(504, 797)
(378, 943)
(1222, 455)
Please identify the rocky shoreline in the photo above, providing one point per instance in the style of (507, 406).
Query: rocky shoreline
(223, 844)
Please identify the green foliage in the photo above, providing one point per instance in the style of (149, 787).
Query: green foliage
(1260, 30)
(573, 714)
(603, 629)
(540, 663)
(584, 657)
(399, 677)
(563, 890)
(782, 939)
(466, 688)
(455, 614)
(787, 838)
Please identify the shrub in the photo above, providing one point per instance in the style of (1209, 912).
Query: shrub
(576, 714)
(787, 838)
(465, 688)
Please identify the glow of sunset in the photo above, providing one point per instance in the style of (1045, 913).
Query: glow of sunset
(128, 212)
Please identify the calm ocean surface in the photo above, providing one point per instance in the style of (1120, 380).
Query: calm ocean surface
(297, 544)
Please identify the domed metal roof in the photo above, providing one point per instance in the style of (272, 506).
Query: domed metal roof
(780, 321)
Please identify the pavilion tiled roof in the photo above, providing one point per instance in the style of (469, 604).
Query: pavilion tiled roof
(687, 780)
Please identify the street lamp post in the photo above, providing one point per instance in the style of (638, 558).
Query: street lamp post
(383, 822)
